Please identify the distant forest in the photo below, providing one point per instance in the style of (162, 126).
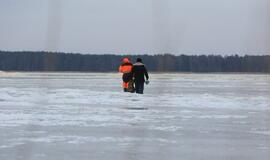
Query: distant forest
(50, 61)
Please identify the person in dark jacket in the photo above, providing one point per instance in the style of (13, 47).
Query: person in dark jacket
(139, 72)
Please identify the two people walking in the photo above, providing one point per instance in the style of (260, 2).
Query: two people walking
(133, 74)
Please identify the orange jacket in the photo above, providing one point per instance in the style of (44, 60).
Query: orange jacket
(126, 66)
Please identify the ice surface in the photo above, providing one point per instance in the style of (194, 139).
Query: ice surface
(87, 116)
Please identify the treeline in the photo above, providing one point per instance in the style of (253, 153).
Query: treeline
(49, 61)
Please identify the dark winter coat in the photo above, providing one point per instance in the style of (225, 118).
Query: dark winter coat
(139, 71)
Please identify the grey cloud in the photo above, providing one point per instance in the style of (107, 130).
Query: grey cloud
(136, 26)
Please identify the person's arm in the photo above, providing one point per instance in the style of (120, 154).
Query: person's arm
(132, 71)
(146, 73)
(120, 69)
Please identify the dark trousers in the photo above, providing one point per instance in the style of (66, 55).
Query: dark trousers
(139, 86)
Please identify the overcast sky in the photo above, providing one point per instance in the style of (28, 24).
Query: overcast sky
(136, 26)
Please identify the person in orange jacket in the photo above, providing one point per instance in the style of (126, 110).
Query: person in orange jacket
(126, 68)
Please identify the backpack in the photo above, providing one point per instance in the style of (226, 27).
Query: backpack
(131, 87)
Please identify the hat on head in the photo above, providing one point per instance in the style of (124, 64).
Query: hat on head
(139, 60)
(125, 60)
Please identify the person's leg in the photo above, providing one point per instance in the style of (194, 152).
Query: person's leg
(139, 87)
(136, 87)
(125, 86)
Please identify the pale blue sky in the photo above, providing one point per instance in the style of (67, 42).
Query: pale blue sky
(136, 26)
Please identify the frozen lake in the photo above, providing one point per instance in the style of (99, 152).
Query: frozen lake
(83, 116)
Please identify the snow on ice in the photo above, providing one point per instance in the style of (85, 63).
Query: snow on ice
(87, 116)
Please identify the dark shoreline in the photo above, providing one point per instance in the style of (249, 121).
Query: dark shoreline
(68, 62)
(81, 72)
